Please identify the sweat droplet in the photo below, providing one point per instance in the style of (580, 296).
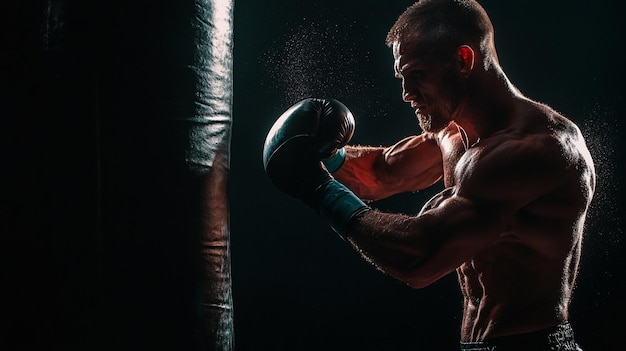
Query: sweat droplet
(321, 59)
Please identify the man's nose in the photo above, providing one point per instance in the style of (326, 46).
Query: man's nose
(406, 96)
(408, 93)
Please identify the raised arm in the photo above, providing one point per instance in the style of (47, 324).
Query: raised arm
(491, 184)
(374, 173)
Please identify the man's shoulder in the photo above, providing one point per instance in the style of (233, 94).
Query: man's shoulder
(528, 148)
(536, 132)
(539, 153)
(534, 117)
(516, 160)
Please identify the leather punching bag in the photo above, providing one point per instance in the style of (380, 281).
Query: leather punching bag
(116, 135)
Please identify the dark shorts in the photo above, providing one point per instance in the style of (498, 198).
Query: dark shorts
(558, 338)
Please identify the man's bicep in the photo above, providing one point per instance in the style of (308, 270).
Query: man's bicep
(411, 164)
(414, 163)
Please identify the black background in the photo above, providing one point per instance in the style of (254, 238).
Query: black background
(71, 107)
(297, 286)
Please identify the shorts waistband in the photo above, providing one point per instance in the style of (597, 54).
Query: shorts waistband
(557, 338)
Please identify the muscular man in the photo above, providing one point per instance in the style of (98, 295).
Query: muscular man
(518, 181)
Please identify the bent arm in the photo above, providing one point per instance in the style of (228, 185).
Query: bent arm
(463, 220)
(419, 250)
(374, 173)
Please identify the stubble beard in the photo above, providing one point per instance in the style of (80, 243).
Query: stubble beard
(432, 124)
(437, 120)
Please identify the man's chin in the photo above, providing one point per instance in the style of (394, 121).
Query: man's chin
(430, 124)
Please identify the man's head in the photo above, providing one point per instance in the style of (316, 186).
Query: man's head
(435, 45)
(446, 24)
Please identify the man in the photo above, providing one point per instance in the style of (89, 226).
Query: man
(518, 181)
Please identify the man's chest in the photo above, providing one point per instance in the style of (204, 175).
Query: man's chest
(458, 155)
(454, 160)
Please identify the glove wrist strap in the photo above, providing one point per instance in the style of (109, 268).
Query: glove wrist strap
(338, 205)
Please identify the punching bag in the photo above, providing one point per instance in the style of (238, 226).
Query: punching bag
(165, 123)
(115, 222)
(210, 151)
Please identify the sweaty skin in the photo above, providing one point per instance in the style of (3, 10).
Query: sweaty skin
(518, 181)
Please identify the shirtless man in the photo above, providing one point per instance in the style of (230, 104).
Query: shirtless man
(518, 181)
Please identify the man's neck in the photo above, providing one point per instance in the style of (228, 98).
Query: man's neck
(487, 107)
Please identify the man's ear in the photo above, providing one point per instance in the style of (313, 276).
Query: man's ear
(465, 59)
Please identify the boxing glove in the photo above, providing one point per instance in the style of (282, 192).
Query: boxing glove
(308, 132)
(326, 123)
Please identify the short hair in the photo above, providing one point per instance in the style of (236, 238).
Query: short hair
(452, 22)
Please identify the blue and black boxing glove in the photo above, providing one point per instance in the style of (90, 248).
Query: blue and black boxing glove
(309, 132)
